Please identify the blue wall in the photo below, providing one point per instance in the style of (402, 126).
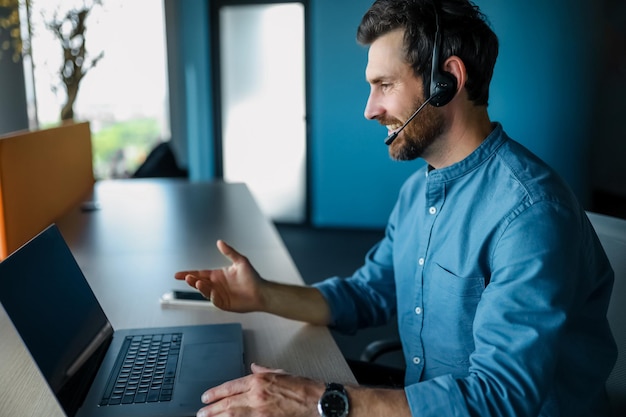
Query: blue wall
(353, 180)
(545, 83)
(191, 105)
(542, 92)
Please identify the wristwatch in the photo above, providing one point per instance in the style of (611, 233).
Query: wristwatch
(334, 401)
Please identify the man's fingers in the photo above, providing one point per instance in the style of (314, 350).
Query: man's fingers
(229, 251)
(181, 275)
(259, 369)
(204, 288)
(192, 280)
(225, 390)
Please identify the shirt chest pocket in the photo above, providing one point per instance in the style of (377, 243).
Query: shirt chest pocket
(443, 280)
(451, 303)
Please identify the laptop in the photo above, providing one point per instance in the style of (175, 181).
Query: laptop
(95, 370)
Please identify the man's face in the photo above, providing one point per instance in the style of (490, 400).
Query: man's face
(395, 93)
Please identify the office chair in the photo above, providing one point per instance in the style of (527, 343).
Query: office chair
(612, 234)
(160, 163)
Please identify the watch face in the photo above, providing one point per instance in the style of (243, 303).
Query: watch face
(334, 404)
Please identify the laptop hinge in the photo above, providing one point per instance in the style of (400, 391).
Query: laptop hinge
(103, 334)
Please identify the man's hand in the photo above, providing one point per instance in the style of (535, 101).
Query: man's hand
(235, 288)
(266, 392)
(240, 288)
(273, 392)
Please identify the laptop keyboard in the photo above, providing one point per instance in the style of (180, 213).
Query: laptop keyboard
(144, 371)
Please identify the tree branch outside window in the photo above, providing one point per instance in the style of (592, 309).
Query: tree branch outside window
(69, 28)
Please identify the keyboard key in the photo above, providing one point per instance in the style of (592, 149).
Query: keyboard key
(153, 396)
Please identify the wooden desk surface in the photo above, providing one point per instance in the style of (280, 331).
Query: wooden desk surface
(129, 249)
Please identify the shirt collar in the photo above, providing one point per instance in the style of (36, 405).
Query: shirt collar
(487, 148)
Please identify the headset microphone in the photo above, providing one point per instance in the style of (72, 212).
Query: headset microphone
(395, 134)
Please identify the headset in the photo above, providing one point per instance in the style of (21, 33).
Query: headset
(442, 83)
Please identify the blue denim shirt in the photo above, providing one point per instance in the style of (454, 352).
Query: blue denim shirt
(500, 287)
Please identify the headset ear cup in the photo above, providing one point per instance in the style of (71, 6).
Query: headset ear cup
(442, 84)
(443, 88)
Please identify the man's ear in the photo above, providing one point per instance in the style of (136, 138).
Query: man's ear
(455, 66)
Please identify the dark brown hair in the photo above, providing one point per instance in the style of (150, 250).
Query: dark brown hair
(463, 29)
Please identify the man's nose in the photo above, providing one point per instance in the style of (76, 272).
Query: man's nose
(372, 109)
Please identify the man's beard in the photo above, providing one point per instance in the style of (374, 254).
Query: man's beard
(415, 140)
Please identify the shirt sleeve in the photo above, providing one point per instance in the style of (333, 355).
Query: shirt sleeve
(368, 297)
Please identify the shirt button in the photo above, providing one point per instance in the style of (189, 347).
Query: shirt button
(416, 360)
(420, 261)
(418, 310)
(432, 210)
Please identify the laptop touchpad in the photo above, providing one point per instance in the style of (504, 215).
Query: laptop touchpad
(210, 362)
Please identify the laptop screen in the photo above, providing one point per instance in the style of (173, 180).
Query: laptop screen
(54, 310)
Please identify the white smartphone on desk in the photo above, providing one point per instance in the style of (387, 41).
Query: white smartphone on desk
(184, 299)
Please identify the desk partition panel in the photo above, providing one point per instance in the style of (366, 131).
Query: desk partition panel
(43, 174)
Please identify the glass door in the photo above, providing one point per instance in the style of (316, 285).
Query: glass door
(262, 93)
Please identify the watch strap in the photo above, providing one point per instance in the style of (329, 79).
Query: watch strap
(334, 386)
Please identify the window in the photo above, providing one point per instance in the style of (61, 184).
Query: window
(124, 96)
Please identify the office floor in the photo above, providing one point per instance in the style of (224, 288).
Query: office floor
(320, 253)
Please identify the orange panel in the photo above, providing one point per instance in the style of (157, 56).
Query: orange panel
(43, 174)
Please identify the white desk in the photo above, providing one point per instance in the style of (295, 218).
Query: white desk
(129, 249)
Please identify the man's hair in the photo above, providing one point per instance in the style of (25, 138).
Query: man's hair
(464, 32)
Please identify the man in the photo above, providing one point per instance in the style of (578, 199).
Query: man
(498, 281)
